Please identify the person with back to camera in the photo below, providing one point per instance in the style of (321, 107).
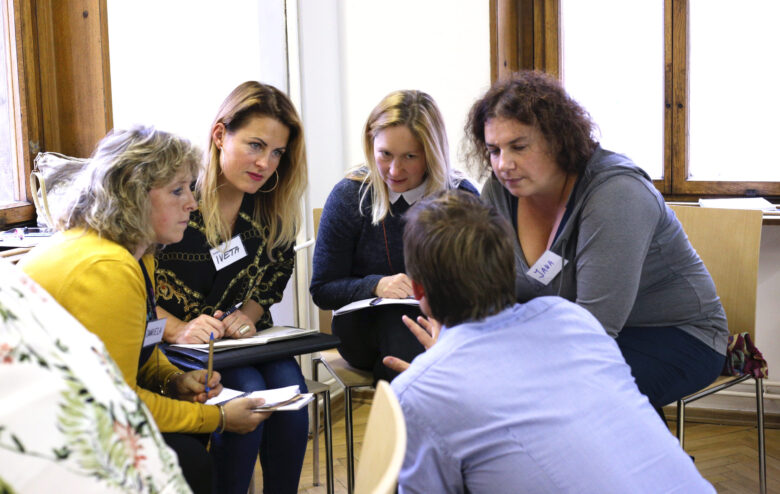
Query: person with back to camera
(133, 195)
(590, 226)
(486, 411)
(359, 253)
(249, 196)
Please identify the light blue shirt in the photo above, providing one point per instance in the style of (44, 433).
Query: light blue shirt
(535, 399)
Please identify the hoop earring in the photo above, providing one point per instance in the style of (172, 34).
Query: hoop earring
(276, 183)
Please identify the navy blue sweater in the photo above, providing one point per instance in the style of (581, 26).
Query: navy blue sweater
(351, 254)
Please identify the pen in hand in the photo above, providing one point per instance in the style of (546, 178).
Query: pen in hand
(211, 363)
(230, 311)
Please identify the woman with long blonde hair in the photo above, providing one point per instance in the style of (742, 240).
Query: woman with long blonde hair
(359, 251)
(238, 249)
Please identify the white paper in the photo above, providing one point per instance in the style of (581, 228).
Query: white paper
(272, 397)
(738, 203)
(372, 302)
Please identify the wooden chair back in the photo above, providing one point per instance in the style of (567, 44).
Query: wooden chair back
(384, 444)
(728, 241)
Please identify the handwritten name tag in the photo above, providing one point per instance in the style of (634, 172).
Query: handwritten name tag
(227, 253)
(154, 332)
(546, 268)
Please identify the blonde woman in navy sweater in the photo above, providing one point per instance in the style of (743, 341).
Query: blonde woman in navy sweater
(359, 251)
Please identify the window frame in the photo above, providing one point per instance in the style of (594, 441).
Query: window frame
(61, 103)
(22, 67)
(525, 34)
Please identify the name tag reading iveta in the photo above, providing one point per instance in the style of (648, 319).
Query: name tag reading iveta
(227, 253)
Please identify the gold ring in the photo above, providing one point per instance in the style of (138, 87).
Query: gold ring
(244, 329)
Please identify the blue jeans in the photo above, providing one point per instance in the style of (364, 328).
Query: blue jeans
(281, 439)
(668, 363)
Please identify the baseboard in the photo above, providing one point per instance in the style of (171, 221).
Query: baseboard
(722, 417)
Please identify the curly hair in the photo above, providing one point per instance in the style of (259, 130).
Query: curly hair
(111, 193)
(537, 99)
(462, 253)
(418, 112)
(280, 210)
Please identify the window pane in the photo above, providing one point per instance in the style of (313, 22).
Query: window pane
(7, 163)
(174, 76)
(734, 100)
(613, 65)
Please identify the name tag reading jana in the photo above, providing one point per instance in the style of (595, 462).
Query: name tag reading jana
(227, 253)
(154, 332)
(546, 268)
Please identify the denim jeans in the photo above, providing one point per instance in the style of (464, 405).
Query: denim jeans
(668, 363)
(281, 439)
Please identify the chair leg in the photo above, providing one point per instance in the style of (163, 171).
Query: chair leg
(328, 443)
(681, 423)
(315, 442)
(761, 445)
(350, 443)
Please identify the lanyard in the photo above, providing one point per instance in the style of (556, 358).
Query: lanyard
(151, 307)
(151, 315)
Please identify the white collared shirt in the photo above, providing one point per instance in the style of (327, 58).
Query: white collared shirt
(410, 196)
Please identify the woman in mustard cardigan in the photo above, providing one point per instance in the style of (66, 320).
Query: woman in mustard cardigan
(133, 195)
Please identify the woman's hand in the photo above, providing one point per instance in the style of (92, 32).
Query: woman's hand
(237, 325)
(396, 286)
(240, 417)
(199, 330)
(191, 386)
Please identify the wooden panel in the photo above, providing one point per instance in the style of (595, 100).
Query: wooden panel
(75, 76)
(728, 241)
(665, 186)
(547, 50)
(507, 37)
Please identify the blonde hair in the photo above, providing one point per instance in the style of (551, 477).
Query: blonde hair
(279, 210)
(418, 112)
(111, 193)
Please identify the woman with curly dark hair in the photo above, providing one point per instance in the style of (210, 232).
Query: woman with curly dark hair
(592, 228)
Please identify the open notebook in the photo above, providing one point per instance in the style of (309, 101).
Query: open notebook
(274, 333)
(279, 399)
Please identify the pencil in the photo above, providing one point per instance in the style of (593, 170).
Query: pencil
(210, 367)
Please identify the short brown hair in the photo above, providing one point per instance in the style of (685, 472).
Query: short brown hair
(462, 253)
(536, 99)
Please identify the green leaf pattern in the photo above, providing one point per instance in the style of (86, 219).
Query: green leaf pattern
(101, 431)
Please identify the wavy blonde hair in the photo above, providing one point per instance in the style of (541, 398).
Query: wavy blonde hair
(418, 112)
(111, 193)
(279, 210)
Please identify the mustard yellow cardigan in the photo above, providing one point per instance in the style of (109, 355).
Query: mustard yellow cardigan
(101, 284)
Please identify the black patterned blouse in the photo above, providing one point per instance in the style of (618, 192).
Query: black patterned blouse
(188, 284)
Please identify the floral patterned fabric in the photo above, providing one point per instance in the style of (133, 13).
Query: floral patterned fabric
(68, 421)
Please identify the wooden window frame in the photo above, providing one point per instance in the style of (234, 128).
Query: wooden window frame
(525, 34)
(60, 90)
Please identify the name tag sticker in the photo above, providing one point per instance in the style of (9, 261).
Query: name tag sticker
(154, 332)
(546, 268)
(227, 253)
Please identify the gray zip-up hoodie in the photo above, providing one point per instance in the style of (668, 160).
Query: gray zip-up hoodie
(628, 260)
